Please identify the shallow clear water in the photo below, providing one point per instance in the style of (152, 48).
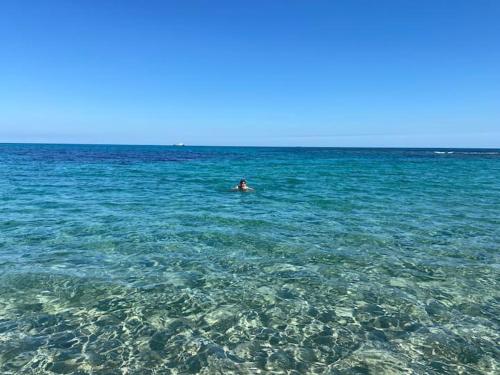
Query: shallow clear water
(138, 260)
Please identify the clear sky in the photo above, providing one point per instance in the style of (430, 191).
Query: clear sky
(310, 73)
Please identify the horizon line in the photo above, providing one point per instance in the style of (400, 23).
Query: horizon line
(249, 146)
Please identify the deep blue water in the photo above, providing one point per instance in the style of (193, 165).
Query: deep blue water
(139, 260)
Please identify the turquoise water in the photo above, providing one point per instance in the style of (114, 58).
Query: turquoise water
(138, 260)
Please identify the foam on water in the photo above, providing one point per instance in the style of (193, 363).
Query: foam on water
(137, 260)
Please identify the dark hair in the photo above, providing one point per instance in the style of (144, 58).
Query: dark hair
(243, 181)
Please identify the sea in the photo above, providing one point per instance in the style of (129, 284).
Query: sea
(141, 260)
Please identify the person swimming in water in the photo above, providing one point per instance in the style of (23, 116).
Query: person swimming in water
(242, 186)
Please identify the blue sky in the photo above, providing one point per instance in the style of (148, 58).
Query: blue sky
(286, 73)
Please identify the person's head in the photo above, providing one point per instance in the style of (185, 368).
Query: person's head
(243, 183)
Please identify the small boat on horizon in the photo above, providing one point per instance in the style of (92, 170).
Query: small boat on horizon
(179, 144)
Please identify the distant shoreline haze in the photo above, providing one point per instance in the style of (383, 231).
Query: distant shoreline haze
(249, 146)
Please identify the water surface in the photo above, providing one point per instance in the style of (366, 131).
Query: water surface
(138, 260)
